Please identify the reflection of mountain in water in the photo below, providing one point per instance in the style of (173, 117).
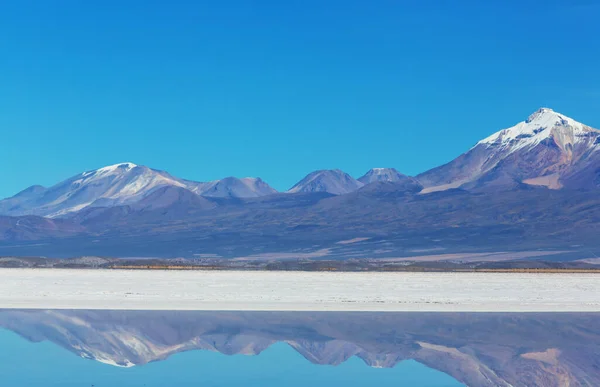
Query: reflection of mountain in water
(477, 349)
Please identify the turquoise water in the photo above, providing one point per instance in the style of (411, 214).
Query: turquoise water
(211, 348)
(23, 363)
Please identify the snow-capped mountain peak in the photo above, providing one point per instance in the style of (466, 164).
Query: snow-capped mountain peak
(548, 149)
(381, 174)
(543, 124)
(382, 171)
(333, 181)
(121, 167)
(246, 187)
(119, 184)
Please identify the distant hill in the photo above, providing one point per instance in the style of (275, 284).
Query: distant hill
(334, 181)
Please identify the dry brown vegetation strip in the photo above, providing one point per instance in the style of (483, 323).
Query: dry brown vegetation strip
(385, 269)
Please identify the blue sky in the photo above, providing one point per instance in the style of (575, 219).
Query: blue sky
(277, 89)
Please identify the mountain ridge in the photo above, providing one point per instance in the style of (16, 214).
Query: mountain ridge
(334, 181)
(525, 188)
(548, 149)
(116, 185)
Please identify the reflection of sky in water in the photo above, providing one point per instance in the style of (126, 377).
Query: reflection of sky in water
(297, 349)
(44, 364)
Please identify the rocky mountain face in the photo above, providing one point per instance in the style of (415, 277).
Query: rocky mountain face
(333, 181)
(31, 228)
(549, 149)
(498, 349)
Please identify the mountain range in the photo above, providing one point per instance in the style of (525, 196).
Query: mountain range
(531, 186)
(478, 349)
(116, 185)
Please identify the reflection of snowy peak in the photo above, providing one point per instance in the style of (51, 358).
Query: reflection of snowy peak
(478, 349)
(548, 149)
(333, 181)
(118, 184)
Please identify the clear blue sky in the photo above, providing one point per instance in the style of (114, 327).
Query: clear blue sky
(276, 89)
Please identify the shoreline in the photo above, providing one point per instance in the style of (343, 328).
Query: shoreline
(306, 265)
(298, 291)
(385, 270)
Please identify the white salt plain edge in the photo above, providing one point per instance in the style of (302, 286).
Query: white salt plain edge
(298, 291)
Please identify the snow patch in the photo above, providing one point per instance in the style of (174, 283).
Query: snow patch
(127, 166)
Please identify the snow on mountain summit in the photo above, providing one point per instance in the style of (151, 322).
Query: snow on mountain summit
(333, 181)
(118, 184)
(548, 149)
(544, 123)
(381, 174)
(121, 167)
(247, 187)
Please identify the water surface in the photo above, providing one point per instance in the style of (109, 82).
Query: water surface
(159, 348)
